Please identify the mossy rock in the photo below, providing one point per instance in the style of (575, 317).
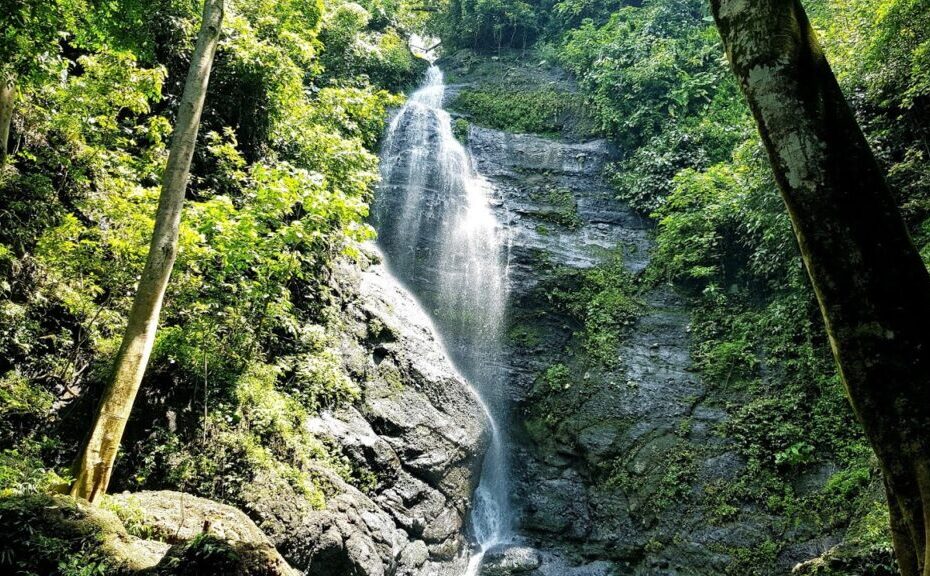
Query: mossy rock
(177, 517)
(208, 555)
(850, 559)
(57, 535)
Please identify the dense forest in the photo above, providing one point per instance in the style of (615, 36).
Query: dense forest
(297, 412)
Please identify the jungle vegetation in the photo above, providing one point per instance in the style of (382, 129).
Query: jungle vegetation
(282, 168)
(281, 164)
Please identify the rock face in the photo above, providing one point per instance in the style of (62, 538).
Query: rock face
(615, 468)
(609, 464)
(414, 439)
(624, 422)
(418, 433)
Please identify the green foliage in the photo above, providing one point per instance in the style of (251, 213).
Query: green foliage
(658, 486)
(603, 301)
(655, 81)
(558, 206)
(52, 537)
(489, 24)
(18, 399)
(133, 517)
(541, 111)
(460, 129)
(22, 471)
(557, 377)
(663, 53)
(255, 439)
(353, 48)
(752, 561)
(203, 554)
(282, 175)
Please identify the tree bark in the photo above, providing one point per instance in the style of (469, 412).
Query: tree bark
(7, 96)
(872, 287)
(95, 464)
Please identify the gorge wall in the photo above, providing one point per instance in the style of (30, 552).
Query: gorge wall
(621, 458)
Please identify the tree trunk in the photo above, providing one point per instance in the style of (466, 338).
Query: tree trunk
(7, 95)
(93, 468)
(873, 289)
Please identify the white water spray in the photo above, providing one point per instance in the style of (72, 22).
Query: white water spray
(441, 238)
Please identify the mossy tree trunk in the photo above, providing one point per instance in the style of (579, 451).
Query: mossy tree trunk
(873, 289)
(7, 96)
(94, 465)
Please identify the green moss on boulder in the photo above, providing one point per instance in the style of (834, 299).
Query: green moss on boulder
(209, 555)
(59, 536)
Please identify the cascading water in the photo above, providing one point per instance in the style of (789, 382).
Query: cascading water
(441, 238)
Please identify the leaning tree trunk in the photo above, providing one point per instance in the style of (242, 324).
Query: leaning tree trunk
(93, 468)
(7, 95)
(873, 289)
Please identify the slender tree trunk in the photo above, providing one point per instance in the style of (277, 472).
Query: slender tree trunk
(93, 468)
(7, 95)
(873, 289)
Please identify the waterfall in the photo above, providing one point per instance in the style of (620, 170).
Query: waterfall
(440, 236)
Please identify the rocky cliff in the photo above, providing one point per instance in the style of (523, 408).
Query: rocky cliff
(419, 430)
(622, 455)
(416, 436)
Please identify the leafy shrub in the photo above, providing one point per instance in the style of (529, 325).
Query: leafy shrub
(557, 377)
(23, 472)
(53, 537)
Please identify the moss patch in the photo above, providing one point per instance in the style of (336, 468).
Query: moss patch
(544, 111)
(558, 206)
(518, 92)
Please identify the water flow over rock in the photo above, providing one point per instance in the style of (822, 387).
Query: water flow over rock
(440, 236)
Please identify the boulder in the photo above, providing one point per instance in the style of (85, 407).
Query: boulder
(508, 560)
(39, 532)
(176, 517)
(42, 532)
(209, 555)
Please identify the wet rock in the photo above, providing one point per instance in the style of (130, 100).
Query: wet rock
(627, 423)
(507, 560)
(560, 507)
(419, 430)
(434, 421)
(726, 466)
(609, 463)
(848, 559)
